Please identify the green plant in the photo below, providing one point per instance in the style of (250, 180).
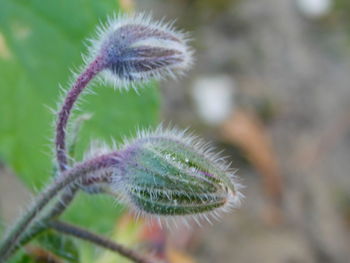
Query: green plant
(165, 173)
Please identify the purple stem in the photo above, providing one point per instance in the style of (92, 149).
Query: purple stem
(101, 241)
(63, 116)
(66, 180)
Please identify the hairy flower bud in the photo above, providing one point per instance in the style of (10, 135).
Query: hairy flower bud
(168, 173)
(134, 49)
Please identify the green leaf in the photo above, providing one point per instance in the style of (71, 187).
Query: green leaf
(61, 246)
(40, 41)
(22, 258)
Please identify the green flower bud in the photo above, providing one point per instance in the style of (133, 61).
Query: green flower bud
(170, 174)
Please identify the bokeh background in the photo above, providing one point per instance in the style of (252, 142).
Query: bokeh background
(270, 86)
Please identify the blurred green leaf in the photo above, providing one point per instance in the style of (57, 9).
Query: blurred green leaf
(62, 246)
(40, 41)
(23, 258)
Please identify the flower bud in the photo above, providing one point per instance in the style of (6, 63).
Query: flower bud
(170, 174)
(136, 49)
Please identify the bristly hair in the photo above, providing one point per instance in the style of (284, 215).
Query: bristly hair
(98, 181)
(128, 51)
(205, 203)
(137, 49)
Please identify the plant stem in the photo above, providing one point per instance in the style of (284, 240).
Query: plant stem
(41, 225)
(67, 178)
(83, 79)
(98, 240)
(62, 203)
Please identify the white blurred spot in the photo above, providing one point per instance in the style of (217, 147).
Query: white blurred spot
(315, 8)
(21, 31)
(214, 98)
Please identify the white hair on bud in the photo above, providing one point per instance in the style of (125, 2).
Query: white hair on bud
(176, 41)
(199, 219)
(233, 197)
(96, 148)
(206, 149)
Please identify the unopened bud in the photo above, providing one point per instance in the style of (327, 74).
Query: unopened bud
(168, 173)
(135, 49)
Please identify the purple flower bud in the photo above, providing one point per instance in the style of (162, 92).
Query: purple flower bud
(167, 173)
(135, 49)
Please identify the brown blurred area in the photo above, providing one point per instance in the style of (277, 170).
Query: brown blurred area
(285, 67)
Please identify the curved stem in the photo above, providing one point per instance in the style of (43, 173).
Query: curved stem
(83, 79)
(63, 116)
(98, 240)
(67, 178)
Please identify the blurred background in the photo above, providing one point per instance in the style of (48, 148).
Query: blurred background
(270, 86)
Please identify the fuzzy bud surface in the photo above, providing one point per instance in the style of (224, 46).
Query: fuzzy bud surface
(136, 49)
(168, 173)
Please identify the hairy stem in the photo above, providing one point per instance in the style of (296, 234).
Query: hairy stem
(62, 203)
(41, 224)
(98, 240)
(67, 178)
(83, 79)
